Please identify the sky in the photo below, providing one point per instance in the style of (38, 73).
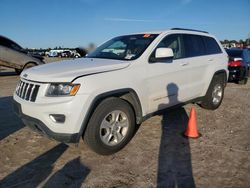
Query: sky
(73, 23)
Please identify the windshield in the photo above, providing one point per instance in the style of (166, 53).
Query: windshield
(127, 47)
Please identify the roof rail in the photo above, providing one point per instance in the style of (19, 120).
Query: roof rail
(189, 30)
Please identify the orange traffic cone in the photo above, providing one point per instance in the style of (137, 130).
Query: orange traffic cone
(191, 130)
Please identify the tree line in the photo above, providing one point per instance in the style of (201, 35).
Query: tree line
(244, 42)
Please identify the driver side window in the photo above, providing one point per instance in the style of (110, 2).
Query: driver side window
(175, 42)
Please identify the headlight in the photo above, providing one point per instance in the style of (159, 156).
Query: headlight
(62, 89)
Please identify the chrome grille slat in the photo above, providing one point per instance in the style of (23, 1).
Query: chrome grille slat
(23, 91)
(27, 91)
(20, 88)
(31, 93)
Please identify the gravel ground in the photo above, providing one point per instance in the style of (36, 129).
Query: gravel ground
(157, 156)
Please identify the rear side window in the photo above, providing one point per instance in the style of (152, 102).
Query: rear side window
(194, 45)
(9, 44)
(4, 42)
(212, 46)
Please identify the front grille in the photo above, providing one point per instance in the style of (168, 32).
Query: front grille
(27, 91)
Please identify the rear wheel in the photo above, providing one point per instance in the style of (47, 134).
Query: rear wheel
(18, 71)
(215, 93)
(111, 126)
(243, 82)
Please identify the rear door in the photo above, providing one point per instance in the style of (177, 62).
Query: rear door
(198, 63)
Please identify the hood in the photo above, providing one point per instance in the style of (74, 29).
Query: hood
(66, 71)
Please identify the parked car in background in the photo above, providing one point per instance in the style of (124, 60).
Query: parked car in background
(14, 56)
(36, 52)
(81, 52)
(66, 53)
(54, 53)
(238, 65)
(75, 54)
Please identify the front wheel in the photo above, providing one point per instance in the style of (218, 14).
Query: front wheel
(29, 65)
(111, 126)
(215, 94)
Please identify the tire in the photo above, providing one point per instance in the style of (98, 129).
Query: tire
(215, 93)
(18, 71)
(243, 82)
(111, 126)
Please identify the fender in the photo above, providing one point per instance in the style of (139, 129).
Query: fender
(222, 72)
(127, 94)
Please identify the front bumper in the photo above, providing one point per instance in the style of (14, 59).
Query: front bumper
(40, 127)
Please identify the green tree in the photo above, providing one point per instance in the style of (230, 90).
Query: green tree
(247, 41)
(241, 41)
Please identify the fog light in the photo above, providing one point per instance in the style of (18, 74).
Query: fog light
(57, 118)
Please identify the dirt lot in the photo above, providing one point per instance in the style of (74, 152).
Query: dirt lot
(157, 156)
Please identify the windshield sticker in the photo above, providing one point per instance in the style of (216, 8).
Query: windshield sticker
(129, 56)
(146, 35)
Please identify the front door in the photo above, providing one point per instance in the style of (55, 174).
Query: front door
(168, 81)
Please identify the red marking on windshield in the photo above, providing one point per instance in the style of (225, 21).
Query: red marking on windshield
(146, 35)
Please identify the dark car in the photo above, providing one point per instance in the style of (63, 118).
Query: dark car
(66, 53)
(14, 56)
(238, 65)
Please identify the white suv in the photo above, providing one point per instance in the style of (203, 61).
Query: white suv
(102, 96)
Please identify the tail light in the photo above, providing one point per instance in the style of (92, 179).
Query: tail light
(235, 63)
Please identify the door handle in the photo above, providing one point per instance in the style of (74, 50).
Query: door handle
(184, 64)
(210, 59)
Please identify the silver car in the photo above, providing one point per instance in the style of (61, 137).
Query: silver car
(14, 56)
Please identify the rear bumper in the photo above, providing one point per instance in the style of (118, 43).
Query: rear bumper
(236, 73)
(40, 127)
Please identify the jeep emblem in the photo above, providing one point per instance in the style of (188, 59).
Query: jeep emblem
(25, 75)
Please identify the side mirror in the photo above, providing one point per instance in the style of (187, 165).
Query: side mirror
(163, 53)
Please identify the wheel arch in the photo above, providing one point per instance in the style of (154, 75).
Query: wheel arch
(219, 76)
(221, 73)
(30, 62)
(126, 94)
